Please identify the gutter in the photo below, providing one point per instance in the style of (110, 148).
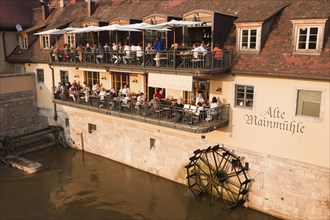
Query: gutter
(4, 44)
(53, 83)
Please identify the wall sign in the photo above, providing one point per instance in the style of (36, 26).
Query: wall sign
(275, 119)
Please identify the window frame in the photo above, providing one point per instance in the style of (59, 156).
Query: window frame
(244, 100)
(70, 39)
(44, 41)
(296, 105)
(119, 79)
(309, 23)
(91, 78)
(40, 75)
(23, 42)
(240, 27)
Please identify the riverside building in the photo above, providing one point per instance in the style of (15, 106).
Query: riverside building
(271, 79)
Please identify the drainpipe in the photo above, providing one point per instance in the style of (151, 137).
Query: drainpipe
(4, 44)
(53, 82)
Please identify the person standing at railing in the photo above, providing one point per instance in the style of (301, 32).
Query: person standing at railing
(79, 52)
(149, 52)
(217, 54)
(139, 53)
(158, 47)
(88, 52)
(127, 51)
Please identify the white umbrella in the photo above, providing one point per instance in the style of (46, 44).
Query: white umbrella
(51, 31)
(145, 26)
(68, 29)
(116, 27)
(176, 23)
(83, 30)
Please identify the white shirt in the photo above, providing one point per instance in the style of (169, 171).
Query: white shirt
(214, 105)
(124, 91)
(102, 94)
(201, 100)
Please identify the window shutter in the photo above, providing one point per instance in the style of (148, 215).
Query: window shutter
(311, 108)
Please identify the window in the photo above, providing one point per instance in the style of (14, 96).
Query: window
(70, 40)
(23, 42)
(244, 96)
(40, 75)
(249, 37)
(200, 86)
(308, 36)
(309, 103)
(67, 122)
(18, 69)
(64, 75)
(45, 42)
(119, 79)
(91, 78)
(91, 128)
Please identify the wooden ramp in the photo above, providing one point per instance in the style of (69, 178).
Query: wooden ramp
(23, 164)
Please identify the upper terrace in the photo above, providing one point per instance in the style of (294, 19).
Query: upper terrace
(184, 61)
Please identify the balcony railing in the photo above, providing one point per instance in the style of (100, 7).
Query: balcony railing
(167, 59)
(186, 119)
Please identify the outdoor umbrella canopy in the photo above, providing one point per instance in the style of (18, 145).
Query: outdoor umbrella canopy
(68, 29)
(84, 30)
(115, 27)
(145, 26)
(51, 31)
(176, 23)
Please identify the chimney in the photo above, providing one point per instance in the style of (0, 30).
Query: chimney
(90, 7)
(45, 9)
(76, 1)
(62, 3)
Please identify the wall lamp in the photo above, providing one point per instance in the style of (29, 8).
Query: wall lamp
(219, 89)
(135, 81)
(104, 78)
(76, 76)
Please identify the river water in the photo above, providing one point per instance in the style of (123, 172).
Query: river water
(79, 185)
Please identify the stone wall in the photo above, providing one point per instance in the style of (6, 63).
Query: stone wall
(280, 187)
(19, 113)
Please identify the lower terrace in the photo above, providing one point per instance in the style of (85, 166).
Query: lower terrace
(187, 118)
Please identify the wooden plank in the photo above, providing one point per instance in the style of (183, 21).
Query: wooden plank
(23, 164)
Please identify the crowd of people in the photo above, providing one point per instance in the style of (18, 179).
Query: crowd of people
(123, 99)
(126, 54)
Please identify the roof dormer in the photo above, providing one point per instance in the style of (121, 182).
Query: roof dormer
(308, 36)
(249, 37)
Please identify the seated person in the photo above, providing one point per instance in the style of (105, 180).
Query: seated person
(102, 95)
(200, 98)
(178, 111)
(140, 101)
(112, 96)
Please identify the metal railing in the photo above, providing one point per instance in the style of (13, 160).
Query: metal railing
(187, 119)
(166, 59)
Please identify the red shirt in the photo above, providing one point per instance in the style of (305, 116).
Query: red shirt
(158, 96)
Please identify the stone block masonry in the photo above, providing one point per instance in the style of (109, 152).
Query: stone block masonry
(281, 187)
(18, 113)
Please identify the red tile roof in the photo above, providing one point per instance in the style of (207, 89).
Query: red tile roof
(14, 12)
(275, 58)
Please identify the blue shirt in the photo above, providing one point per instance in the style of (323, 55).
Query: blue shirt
(158, 45)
